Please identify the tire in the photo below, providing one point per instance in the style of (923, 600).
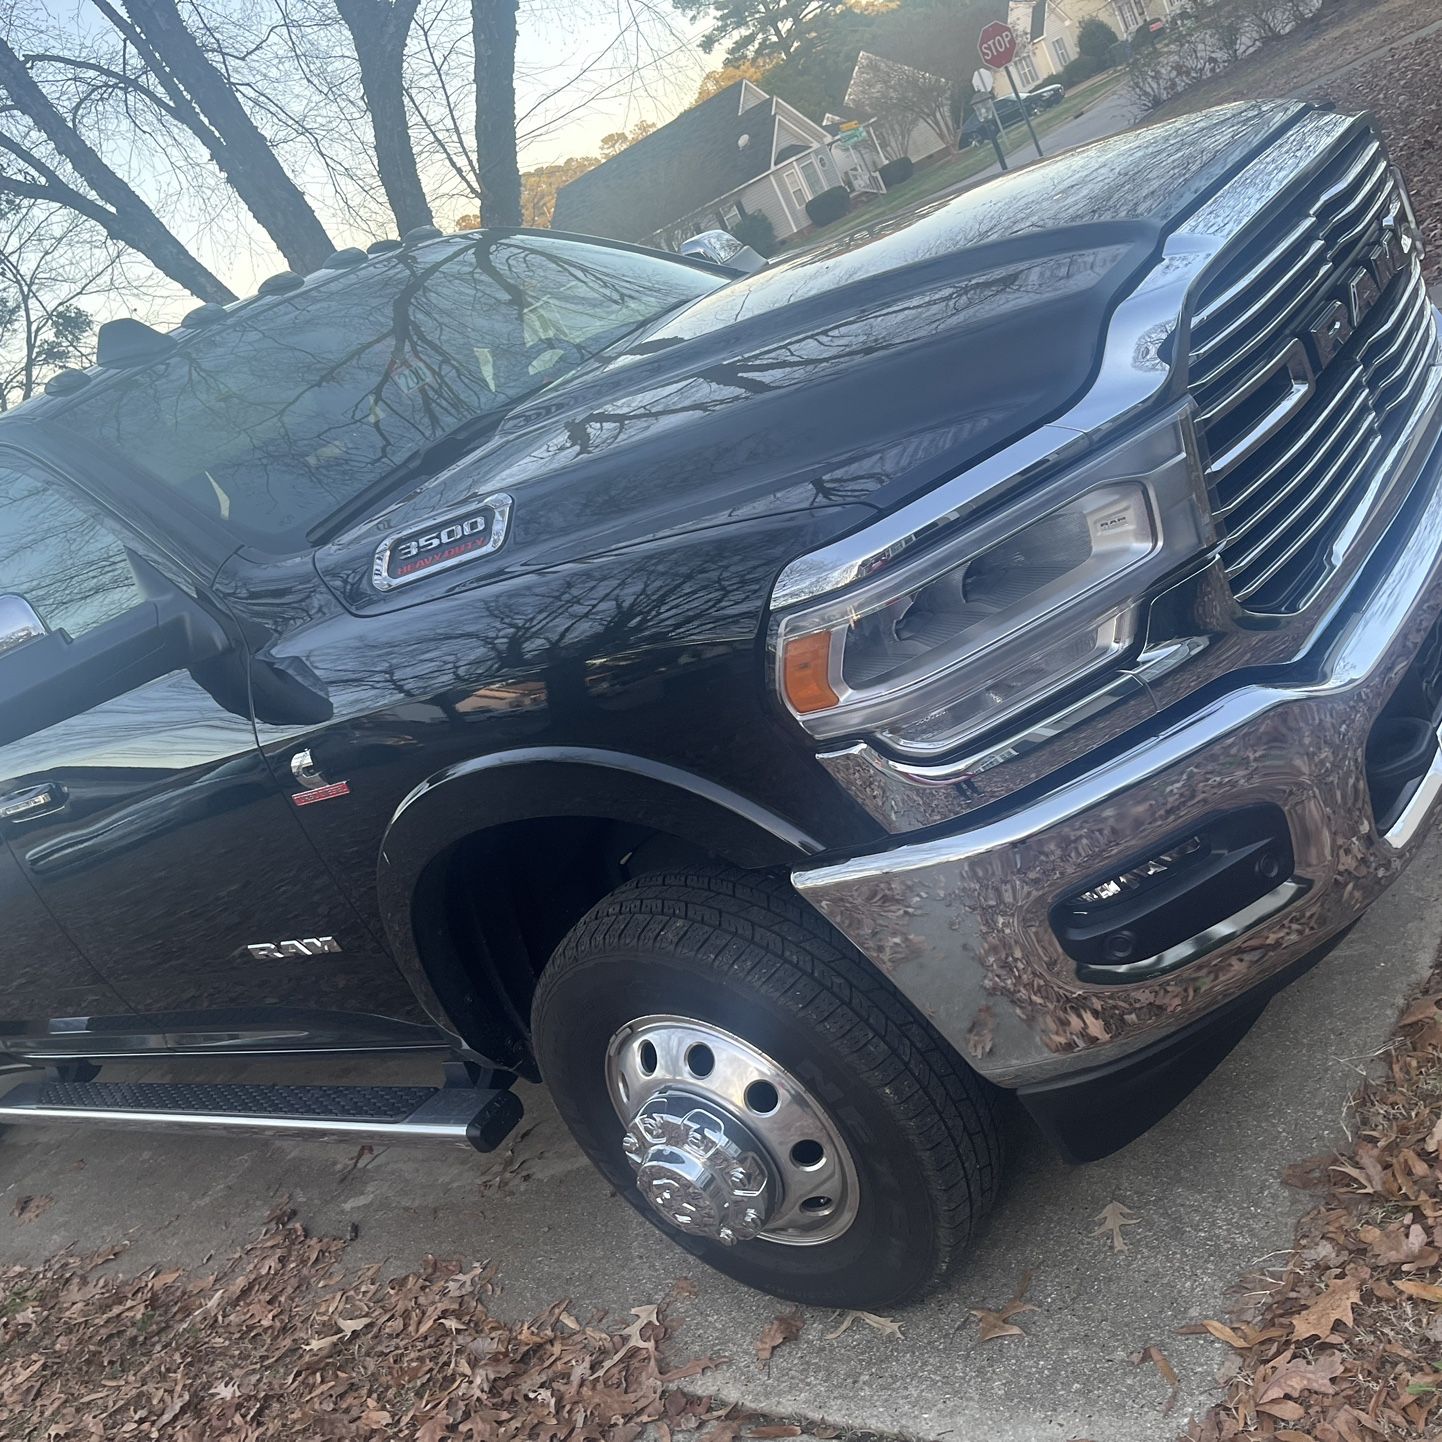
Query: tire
(742, 952)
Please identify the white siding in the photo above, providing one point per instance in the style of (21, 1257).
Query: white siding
(750, 96)
(803, 124)
(924, 141)
(788, 134)
(764, 197)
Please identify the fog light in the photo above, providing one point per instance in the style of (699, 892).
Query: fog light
(1191, 893)
(1138, 876)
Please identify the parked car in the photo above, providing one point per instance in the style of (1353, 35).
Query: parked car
(976, 130)
(785, 714)
(1047, 98)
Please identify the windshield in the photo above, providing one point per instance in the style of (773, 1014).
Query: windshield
(280, 415)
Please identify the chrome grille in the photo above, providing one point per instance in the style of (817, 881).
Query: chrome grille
(1308, 350)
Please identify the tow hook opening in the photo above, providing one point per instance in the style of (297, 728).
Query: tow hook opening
(1181, 899)
(1402, 744)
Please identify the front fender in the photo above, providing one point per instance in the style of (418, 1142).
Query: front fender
(538, 783)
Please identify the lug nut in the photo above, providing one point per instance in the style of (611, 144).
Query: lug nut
(1120, 945)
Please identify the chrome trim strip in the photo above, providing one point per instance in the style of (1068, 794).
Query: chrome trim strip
(1352, 389)
(1243, 286)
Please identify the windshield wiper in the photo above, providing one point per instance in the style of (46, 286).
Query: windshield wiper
(435, 455)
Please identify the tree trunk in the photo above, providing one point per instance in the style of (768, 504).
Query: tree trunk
(493, 28)
(378, 30)
(244, 154)
(120, 211)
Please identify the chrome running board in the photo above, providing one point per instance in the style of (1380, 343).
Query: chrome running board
(480, 1117)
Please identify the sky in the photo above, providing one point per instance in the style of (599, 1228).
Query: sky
(584, 68)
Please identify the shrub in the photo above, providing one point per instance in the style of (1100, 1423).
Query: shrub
(1096, 38)
(1120, 53)
(896, 171)
(755, 229)
(1079, 68)
(829, 205)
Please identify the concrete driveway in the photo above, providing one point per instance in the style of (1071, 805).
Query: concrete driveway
(1204, 1185)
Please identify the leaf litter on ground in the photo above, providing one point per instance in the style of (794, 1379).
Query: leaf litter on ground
(1343, 1342)
(282, 1341)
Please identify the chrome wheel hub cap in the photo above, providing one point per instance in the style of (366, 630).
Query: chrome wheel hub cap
(727, 1144)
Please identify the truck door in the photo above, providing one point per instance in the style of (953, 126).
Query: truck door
(136, 803)
(52, 1001)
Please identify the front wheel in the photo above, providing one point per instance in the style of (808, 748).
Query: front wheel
(761, 1094)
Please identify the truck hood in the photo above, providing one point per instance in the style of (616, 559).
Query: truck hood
(837, 384)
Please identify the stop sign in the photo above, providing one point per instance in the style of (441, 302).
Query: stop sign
(997, 45)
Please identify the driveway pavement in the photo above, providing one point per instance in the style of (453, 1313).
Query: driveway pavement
(1204, 1185)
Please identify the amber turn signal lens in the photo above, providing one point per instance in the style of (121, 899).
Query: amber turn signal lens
(805, 668)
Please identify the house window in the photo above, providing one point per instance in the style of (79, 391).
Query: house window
(1062, 50)
(1026, 68)
(1130, 14)
(730, 216)
(798, 191)
(810, 174)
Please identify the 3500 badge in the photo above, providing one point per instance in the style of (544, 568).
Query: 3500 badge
(476, 530)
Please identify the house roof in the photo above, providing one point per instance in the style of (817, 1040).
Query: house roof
(675, 170)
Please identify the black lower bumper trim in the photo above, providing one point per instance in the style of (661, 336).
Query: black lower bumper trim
(1091, 1114)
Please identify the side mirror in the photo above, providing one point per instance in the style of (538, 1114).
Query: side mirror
(18, 623)
(720, 247)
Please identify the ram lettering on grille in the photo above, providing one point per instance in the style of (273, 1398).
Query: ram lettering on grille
(1306, 353)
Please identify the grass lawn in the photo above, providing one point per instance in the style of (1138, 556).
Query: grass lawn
(961, 166)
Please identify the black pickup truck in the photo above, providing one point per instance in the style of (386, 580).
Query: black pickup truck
(784, 713)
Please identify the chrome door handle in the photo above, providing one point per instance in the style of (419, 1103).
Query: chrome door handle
(32, 801)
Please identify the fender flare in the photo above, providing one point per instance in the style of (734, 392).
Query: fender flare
(538, 783)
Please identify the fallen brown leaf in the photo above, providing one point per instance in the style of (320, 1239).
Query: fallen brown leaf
(1288, 1378)
(998, 1323)
(1112, 1218)
(1333, 1306)
(1158, 1359)
(779, 1331)
(1224, 1333)
(887, 1326)
(29, 1209)
(1427, 1291)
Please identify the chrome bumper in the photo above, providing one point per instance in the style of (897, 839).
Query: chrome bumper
(961, 923)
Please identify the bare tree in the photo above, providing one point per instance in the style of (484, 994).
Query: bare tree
(900, 99)
(50, 271)
(379, 30)
(493, 27)
(204, 99)
(28, 172)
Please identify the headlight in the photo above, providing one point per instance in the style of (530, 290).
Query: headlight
(949, 643)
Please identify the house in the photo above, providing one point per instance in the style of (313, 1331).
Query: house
(906, 109)
(740, 152)
(1046, 32)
